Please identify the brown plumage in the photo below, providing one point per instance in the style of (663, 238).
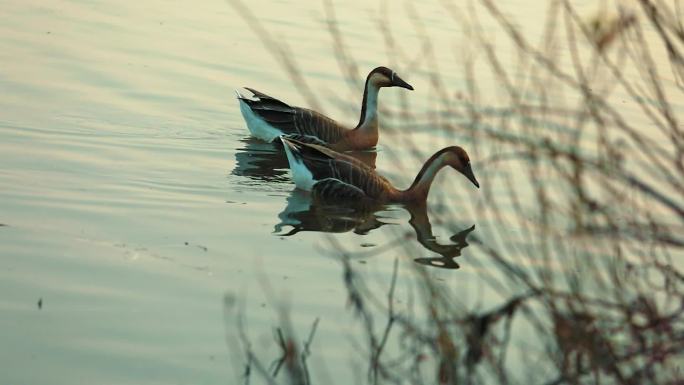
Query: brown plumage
(330, 174)
(268, 118)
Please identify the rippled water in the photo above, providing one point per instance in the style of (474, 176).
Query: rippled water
(133, 198)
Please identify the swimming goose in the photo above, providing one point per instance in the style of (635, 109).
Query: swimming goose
(330, 174)
(268, 118)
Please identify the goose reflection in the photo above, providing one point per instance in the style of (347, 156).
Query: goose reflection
(266, 162)
(421, 224)
(260, 161)
(304, 214)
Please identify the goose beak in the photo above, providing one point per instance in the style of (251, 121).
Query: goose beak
(468, 172)
(399, 82)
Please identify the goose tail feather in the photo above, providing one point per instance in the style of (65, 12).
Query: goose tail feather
(287, 142)
(239, 96)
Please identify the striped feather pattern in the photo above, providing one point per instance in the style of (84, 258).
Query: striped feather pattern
(334, 188)
(325, 164)
(294, 120)
(308, 139)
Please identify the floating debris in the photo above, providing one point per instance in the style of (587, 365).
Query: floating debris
(204, 248)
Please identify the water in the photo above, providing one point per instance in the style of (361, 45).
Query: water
(133, 199)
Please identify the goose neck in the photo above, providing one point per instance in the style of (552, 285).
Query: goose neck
(369, 106)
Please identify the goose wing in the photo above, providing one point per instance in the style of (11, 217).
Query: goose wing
(331, 188)
(320, 157)
(308, 139)
(324, 163)
(294, 120)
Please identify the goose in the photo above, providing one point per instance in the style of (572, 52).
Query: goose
(268, 118)
(332, 175)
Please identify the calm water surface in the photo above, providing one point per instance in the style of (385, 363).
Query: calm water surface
(133, 199)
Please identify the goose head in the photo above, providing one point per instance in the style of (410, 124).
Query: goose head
(458, 159)
(385, 77)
